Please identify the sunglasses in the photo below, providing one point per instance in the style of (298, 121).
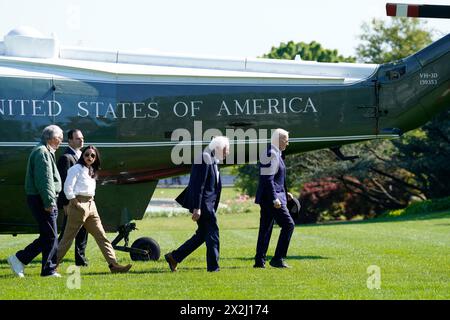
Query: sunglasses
(90, 155)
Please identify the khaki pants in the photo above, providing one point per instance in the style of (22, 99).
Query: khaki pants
(85, 215)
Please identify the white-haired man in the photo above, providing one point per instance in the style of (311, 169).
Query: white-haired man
(272, 196)
(42, 185)
(202, 197)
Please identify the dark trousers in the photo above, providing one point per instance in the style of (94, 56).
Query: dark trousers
(47, 243)
(207, 232)
(80, 243)
(284, 220)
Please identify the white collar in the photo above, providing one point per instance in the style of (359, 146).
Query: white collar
(77, 152)
(50, 148)
(276, 149)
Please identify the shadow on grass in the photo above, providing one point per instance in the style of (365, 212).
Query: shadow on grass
(4, 263)
(287, 258)
(131, 272)
(417, 217)
(182, 269)
(161, 271)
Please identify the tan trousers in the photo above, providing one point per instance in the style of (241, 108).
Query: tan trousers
(85, 215)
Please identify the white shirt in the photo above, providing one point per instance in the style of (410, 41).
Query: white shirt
(79, 182)
(77, 152)
(216, 161)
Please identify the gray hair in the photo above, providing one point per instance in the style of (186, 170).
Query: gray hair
(51, 132)
(219, 142)
(277, 134)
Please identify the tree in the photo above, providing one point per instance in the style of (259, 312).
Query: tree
(311, 52)
(384, 42)
(426, 155)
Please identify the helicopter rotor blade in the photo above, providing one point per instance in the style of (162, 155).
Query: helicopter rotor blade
(417, 10)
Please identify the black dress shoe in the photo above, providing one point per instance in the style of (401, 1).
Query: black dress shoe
(81, 264)
(279, 264)
(171, 261)
(261, 265)
(214, 270)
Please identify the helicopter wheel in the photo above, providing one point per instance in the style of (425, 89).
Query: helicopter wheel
(145, 244)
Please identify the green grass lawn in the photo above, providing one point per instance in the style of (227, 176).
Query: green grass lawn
(329, 262)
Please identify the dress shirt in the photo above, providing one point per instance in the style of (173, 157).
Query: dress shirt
(216, 167)
(77, 152)
(274, 162)
(79, 182)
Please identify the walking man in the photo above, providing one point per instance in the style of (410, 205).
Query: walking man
(42, 185)
(272, 196)
(202, 197)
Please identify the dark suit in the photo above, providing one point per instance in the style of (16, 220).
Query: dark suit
(202, 192)
(65, 161)
(272, 185)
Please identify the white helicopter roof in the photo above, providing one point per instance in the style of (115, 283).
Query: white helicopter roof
(44, 56)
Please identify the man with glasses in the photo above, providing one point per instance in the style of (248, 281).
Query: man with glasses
(42, 185)
(69, 158)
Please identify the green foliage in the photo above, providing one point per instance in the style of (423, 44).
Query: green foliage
(310, 52)
(247, 179)
(426, 154)
(385, 42)
(422, 207)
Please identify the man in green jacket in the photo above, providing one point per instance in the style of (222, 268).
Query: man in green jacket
(42, 185)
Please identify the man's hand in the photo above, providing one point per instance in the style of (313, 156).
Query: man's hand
(277, 204)
(196, 214)
(49, 210)
(290, 196)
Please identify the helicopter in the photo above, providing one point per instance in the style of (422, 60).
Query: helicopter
(132, 106)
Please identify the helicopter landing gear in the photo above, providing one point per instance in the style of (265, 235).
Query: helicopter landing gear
(143, 249)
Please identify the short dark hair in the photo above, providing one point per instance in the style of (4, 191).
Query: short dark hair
(96, 165)
(71, 132)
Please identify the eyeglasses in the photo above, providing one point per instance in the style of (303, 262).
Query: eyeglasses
(90, 155)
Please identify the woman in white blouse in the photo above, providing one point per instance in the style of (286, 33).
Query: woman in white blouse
(80, 191)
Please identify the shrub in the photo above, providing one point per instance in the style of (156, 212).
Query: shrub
(427, 206)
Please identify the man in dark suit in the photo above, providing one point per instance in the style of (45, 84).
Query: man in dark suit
(65, 161)
(272, 196)
(202, 197)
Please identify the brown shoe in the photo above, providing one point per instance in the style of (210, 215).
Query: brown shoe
(171, 261)
(117, 268)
